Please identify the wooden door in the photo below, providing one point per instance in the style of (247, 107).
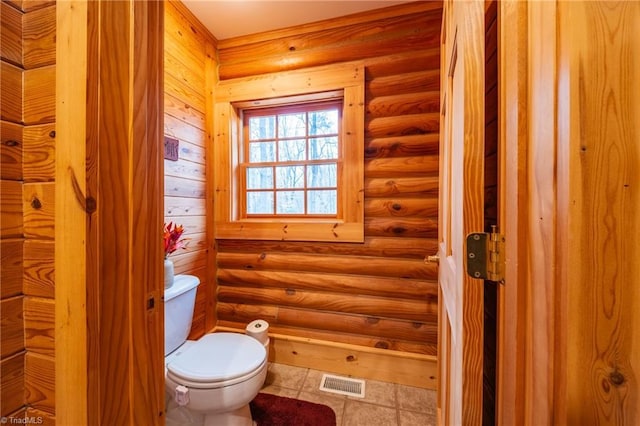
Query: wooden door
(461, 212)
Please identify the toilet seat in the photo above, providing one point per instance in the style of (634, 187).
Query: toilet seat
(217, 360)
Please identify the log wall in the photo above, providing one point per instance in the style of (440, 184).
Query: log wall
(27, 166)
(380, 293)
(188, 78)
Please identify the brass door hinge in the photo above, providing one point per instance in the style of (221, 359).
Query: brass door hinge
(485, 255)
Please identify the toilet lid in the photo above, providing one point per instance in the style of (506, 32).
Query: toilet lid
(219, 356)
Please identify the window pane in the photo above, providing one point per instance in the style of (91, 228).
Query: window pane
(259, 178)
(290, 202)
(292, 150)
(262, 127)
(260, 202)
(323, 122)
(321, 175)
(291, 125)
(290, 177)
(322, 202)
(262, 152)
(323, 148)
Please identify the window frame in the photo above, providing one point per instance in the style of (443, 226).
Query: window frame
(345, 81)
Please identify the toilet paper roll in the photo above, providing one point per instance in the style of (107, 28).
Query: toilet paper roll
(258, 329)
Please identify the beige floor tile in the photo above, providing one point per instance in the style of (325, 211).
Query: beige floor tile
(286, 376)
(280, 391)
(312, 382)
(381, 393)
(409, 418)
(364, 414)
(417, 399)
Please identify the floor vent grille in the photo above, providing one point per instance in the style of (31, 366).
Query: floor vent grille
(342, 385)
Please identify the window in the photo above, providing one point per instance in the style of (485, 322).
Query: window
(289, 161)
(289, 155)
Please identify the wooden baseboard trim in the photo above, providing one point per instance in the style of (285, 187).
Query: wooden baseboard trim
(358, 361)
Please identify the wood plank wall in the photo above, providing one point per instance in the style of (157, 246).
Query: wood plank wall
(189, 54)
(27, 178)
(380, 293)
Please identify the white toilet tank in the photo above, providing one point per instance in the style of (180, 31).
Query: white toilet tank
(179, 300)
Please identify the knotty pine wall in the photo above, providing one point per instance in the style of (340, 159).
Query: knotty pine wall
(380, 293)
(27, 189)
(188, 78)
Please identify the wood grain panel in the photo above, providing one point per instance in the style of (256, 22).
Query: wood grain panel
(186, 188)
(39, 37)
(11, 101)
(12, 326)
(39, 382)
(175, 88)
(39, 277)
(11, 384)
(47, 419)
(11, 34)
(188, 262)
(416, 165)
(405, 103)
(402, 146)
(32, 5)
(187, 72)
(39, 325)
(39, 153)
(11, 150)
(179, 206)
(11, 209)
(407, 124)
(11, 270)
(403, 63)
(184, 169)
(182, 110)
(412, 82)
(39, 95)
(39, 210)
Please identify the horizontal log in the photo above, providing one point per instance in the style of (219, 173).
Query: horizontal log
(180, 187)
(402, 63)
(11, 267)
(411, 227)
(344, 284)
(413, 82)
(39, 325)
(359, 33)
(39, 382)
(11, 225)
(393, 344)
(11, 150)
(39, 265)
(39, 37)
(39, 210)
(362, 266)
(12, 384)
(417, 186)
(39, 153)
(12, 94)
(402, 166)
(183, 111)
(11, 34)
(403, 125)
(405, 103)
(413, 310)
(411, 248)
(12, 330)
(179, 206)
(39, 95)
(401, 207)
(323, 321)
(402, 146)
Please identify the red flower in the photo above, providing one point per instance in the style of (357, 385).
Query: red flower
(172, 241)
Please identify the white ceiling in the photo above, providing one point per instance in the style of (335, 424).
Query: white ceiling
(232, 18)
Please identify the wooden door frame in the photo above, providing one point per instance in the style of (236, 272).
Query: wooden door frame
(109, 198)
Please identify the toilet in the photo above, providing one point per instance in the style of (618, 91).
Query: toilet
(215, 376)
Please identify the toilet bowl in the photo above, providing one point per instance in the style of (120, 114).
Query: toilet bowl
(215, 376)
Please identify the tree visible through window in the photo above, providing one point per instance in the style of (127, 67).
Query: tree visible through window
(291, 160)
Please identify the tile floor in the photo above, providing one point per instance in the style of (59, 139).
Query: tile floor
(384, 404)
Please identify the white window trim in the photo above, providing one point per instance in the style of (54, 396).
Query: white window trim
(231, 94)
